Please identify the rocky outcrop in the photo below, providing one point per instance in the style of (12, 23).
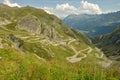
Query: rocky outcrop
(4, 21)
(16, 41)
(49, 32)
(31, 24)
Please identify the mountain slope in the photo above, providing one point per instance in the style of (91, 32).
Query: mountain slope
(29, 35)
(94, 25)
(110, 43)
(35, 31)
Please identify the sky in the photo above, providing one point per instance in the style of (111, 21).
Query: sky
(63, 8)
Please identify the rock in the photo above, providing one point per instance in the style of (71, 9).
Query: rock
(4, 21)
(16, 41)
(31, 24)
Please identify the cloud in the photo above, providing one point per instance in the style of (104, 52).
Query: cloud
(90, 8)
(66, 7)
(49, 10)
(8, 2)
(63, 10)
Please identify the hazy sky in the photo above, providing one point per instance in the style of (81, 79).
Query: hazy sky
(62, 8)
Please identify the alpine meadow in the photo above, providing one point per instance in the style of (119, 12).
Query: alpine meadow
(57, 40)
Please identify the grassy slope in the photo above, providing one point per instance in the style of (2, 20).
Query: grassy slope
(19, 62)
(109, 42)
(15, 65)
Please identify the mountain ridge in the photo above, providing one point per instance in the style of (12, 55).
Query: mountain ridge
(93, 25)
(42, 31)
(109, 42)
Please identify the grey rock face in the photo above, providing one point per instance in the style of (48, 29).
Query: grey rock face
(49, 32)
(4, 21)
(16, 41)
(30, 23)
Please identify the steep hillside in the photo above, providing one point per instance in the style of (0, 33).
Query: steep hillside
(110, 43)
(94, 25)
(28, 35)
(35, 31)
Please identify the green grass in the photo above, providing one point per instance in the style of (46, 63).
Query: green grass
(20, 63)
(11, 26)
(17, 66)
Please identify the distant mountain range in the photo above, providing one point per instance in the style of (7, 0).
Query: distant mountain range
(110, 43)
(93, 25)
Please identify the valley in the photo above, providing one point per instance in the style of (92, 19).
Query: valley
(35, 45)
(94, 25)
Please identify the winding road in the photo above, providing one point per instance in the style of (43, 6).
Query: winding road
(98, 55)
(74, 58)
(105, 64)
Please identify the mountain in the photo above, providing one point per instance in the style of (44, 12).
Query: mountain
(110, 43)
(93, 25)
(35, 45)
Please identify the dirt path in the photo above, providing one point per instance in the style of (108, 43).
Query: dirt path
(105, 64)
(97, 55)
(39, 57)
(71, 41)
(74, 58)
